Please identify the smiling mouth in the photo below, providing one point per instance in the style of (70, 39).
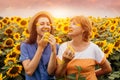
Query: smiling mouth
(45, 29)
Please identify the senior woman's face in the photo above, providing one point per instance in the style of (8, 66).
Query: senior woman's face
(75, 29)
(43, 25)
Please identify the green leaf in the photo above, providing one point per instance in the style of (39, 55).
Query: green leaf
(81, 78)
(78, 68)
(72, 76)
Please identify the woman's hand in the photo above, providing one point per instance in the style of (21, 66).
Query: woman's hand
(42, 43)
(68, 55)
(52, 42)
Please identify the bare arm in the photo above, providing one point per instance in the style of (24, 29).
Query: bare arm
(61, 68)
(52, 62)
(105, 68)
(31, 65)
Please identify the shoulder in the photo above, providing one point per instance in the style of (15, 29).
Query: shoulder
(93, 45)
(63, 44)
(24, 44)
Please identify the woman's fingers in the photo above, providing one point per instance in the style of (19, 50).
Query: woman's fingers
(68, 55)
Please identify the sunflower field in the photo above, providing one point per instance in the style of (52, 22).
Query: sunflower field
(13, 30)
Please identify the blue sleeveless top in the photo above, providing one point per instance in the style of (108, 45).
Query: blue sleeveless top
(28, 52)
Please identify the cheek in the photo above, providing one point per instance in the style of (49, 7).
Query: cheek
(78, 30)
(38, 29)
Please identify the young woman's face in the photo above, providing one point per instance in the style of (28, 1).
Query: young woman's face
(43, 25)
(75, 29)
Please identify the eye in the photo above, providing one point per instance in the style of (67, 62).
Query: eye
(42, 23)
(48, 24)
(38, 24)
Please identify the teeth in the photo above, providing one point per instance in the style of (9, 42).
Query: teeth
(45, 29)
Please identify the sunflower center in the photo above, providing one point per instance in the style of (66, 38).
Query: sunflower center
(18, 47)
(9, 31)
(112, 28)
(117, 44)
(5, 21)
(65, 28)
(14, 70)
(9, 42)
(23, 23)
(13, 54)
(16, 36)
(106, 51)
(18, 19)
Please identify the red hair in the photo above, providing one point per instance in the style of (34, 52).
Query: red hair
(32, 26)
(86, 26)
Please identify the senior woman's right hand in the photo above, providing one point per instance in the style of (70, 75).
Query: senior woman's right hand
(68, 55)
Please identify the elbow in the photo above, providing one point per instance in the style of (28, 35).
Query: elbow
(29, 73)
(50, 72)
(58, 74)
(109, 70)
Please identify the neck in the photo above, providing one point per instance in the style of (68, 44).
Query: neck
(38, 37)
(77, 41)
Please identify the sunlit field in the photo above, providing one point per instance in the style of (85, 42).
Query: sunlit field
(13, 30)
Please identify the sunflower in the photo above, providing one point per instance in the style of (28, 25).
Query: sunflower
(9, 42)
(101, 43)
(108, 50)
(94, 29)
(9, 61)
(59, 27)
(118, 30)
(1, 76)
(26, 33)
(96, 35)
(1, 24)
(18, 19)
(107, 23)
(112, 28)
(14, 71)
(5, 21)
(8, 31)
(0, 52)
(58, 40)
(117, 44)
(16, 36)
(23, 23)
(16, 48)
(1, 46)
(65, 29)
(13, 19)
(115, 34)
(115, 21)
(12, 54)
(93, 35)
(102, 28)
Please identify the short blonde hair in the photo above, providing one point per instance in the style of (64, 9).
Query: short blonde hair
(86, 26)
